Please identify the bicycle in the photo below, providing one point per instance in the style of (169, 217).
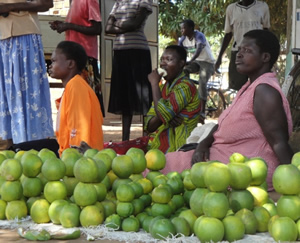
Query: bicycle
(291, 88)
(215, 103)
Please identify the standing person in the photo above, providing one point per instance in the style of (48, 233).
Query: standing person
(241, 17)
(25, 108)
(176, 104)
(200, 58)
(79, 115)
(130, 92)
(83, 25)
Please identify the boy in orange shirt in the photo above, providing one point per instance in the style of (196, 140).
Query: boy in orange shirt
(79, 115)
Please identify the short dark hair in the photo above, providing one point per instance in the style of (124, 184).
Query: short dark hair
(189, 23)
(180, 51)
(74, 51)
(267, 42)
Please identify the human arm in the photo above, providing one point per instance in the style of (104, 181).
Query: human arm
(94, 29)
(200, 47)
(202, 150)
(114, 26)
(273, 121)
(31, 6)
(224, 45)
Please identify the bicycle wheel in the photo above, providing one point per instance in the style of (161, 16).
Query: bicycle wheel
(293, 96)
(215, 103)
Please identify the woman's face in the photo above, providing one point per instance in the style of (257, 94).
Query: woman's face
(249, 59)
(171, 62)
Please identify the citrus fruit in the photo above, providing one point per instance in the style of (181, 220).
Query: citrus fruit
(178, 201)
(286, 179)
(187, 196)
(53, 169)
(130, 224)
(184, 173)
(8, 153)
(263, 216)
(138, 205)
(124, 209)
(109, 151)
(86, 170)
(248, 219)
(39, 211)
(284, 229)
(272, 219)
(234, 228)
(298, 227)
(260, 195)
(3, 205)
(241, 175)
(105, 158)
(161, 194)
(70, 183)
(11, 169)
(146, 184)
(197, 173)
(31, 200)
(138, 158)
(69, 150)
(217, 177)
(54, 210)
(106, 182)
(109, 207)
(296, 159)
(161, 209)
(32, 187)
(189, 216)
(122, 166)
(215, 204)
(91, 215)
(146, 223)
(137, 188)
(271, 207)
(156, 159)
(69, 160)
(69, 215)
(43, 178)
(196, 200)
(85, 194)
(187, 182)
(237, 158)
(111, 176)
(147, 199)
(119, 182)
(125, 193)
(113, 221)
(152, 174)
(160, 179)
(209, 229)
(3, 157)
(11, 191)
(181, 226)
(172, 174)
(54, 190)
(16, 209)
(101, 191)
(289, 206)
(141, 216)
(135, 177)
(90, 153)
(162, 229)
(239, 199)
(259, 170)
(176, 185)
(32, 164)
(45, 154)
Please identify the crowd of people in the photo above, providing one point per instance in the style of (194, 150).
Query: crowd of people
(170, 103)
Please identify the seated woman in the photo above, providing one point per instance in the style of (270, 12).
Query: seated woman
(258, 123)
(175, 109)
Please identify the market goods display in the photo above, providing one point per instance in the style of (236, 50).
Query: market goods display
(211, 201)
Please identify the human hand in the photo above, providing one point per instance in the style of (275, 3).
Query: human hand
(82, 147)
(176, 121)
(201, 154)
(154, 77)
(59, 26)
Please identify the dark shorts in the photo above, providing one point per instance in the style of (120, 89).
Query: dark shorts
(236, 80)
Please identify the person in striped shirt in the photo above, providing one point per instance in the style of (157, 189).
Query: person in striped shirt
(175, 110)
(130, 92)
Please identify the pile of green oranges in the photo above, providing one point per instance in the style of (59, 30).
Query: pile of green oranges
(212, 200)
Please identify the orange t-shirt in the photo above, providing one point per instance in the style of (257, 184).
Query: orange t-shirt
(79, 117)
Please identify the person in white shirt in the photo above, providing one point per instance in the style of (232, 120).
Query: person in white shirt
(199, 59)
(241, 17)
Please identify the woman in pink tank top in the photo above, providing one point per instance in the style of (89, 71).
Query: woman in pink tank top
(258, 123)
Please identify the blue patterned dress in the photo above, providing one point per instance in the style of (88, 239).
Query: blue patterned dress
(25, 108)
